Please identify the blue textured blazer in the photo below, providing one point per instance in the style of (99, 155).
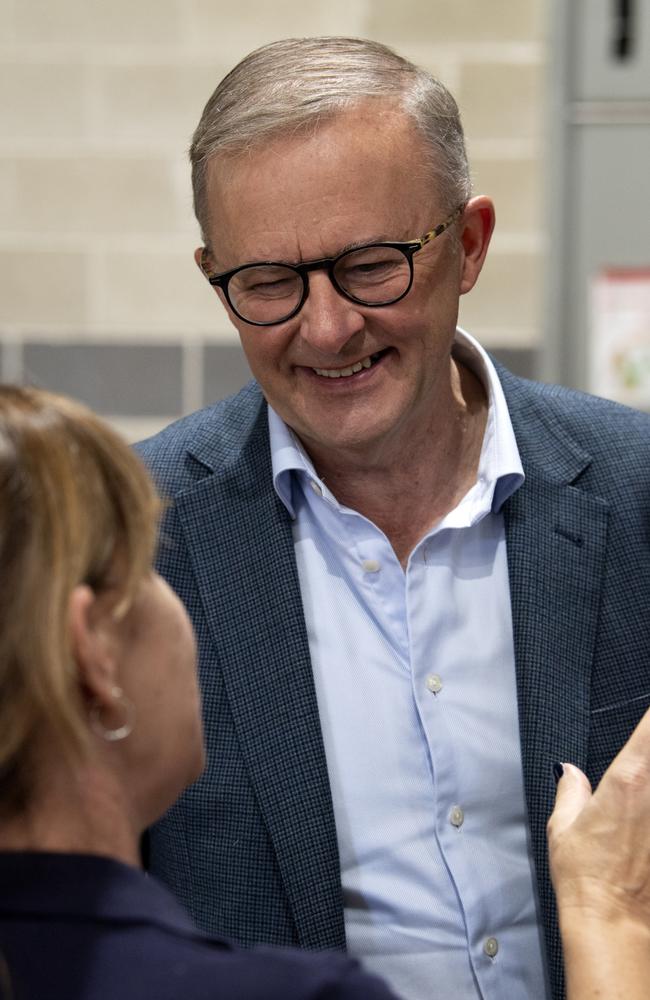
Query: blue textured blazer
(251, 848)
(80, 927)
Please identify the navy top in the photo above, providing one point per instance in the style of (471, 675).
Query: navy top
(81, 927)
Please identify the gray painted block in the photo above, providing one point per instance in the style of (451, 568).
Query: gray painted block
(522, 361)
(136, 380)
(225, 370)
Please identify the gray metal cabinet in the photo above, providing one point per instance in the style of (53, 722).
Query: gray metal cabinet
(599, 168)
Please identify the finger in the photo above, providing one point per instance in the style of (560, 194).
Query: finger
(573, 793)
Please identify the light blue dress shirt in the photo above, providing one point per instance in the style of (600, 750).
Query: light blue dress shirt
(415, 679)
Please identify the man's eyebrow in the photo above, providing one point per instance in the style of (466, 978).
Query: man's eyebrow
(359, 244)
(362, 243)
(354, 245)
(368, 241)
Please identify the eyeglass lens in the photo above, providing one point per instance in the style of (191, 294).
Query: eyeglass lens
(268, 293)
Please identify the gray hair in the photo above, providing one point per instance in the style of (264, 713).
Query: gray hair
(298, 83)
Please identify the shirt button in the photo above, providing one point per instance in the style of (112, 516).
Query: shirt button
(316, 487)
(434, 684)
(491, 947)
(456, 816)
(370, 566)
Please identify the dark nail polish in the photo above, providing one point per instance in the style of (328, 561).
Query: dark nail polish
(558, 771)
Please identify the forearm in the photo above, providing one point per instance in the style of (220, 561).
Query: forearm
(605, 960)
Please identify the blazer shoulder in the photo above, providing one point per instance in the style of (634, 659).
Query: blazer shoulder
(203, 441)
(615, 437)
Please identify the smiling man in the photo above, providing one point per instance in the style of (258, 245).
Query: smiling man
(416, 580)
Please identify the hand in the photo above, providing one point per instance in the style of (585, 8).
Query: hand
(599, 848)
(599, 844)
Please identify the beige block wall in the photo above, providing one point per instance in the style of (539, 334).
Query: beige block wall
(98, 101)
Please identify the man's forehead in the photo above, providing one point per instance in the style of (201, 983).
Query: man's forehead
(350, 181)
(382, 125)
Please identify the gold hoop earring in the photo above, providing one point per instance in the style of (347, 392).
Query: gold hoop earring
(120, 732)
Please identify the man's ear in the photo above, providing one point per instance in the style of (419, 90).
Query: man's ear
(477, 225)
(95, 643)
(198, 258)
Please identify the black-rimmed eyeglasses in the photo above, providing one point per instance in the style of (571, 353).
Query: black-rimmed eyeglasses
(376, 274)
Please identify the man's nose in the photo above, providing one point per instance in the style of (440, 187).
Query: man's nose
(328, 320)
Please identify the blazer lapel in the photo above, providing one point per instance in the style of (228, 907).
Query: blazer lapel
(241, 546)
(556, 538)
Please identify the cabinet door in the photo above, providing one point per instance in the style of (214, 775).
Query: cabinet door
(608, 209)
(610, 47)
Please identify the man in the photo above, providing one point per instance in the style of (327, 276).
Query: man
(416, 580)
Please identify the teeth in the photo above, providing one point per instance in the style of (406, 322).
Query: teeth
(345, 372)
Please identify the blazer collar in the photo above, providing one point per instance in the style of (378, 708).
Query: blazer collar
(240, 542)
(545, 444)
(556, 529)
(243, 433)
(543, 440)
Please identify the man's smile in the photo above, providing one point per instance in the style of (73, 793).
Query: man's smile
(358, 366)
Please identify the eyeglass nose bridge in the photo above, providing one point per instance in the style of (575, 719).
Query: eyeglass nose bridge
(329, 264)
(323, 264)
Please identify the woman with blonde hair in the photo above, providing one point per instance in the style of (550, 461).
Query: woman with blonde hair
(100, 731)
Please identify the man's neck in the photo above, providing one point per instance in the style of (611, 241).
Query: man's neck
(407, 486)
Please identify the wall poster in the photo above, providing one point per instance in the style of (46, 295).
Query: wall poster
(619, 348)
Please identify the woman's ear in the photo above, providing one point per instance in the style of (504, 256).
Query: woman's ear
(94, 634)
(477, 225)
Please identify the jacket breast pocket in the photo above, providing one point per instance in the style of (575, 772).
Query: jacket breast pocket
(611, 726)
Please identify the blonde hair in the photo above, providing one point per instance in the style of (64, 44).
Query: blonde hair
(299, 83)
(75, 504)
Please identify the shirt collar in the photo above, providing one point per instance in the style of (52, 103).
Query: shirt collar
(500, 472)
(499, 469)
(287, 456)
